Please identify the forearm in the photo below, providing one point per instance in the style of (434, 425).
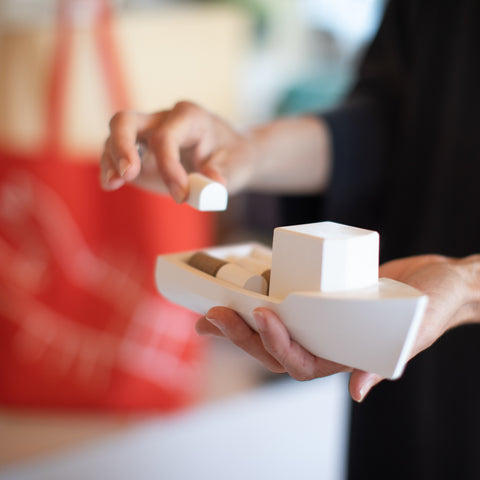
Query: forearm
(293, 155)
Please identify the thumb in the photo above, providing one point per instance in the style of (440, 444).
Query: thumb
(211, 171)
(361, 383)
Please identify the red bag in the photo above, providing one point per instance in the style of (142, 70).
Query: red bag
(81, 324)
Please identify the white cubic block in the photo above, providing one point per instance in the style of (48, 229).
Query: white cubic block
(324, 257)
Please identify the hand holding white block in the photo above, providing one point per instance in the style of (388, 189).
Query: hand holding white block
(323, 257)
(204, 193)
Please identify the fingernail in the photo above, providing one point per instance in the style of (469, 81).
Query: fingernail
(123, 166)
(177, 192)
(366, 387)
(216, 322)
(260, 321)
(108, 176)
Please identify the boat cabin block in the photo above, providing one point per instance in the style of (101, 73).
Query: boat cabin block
(323, 257)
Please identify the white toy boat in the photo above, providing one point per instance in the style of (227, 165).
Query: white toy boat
(371, 328)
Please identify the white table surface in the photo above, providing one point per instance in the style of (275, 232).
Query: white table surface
(278, 430)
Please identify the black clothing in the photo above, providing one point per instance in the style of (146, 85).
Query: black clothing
(406, 147)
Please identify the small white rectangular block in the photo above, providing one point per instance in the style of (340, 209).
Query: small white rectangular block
(205, 194)
(324, 256)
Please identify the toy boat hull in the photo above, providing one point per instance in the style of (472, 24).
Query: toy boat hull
(372, 329)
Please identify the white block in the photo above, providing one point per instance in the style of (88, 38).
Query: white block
(262, 254)
(325, 256)
(251, 264)
(206, 194)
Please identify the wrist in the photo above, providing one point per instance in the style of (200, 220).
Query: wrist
(468, 269)
(291, 155)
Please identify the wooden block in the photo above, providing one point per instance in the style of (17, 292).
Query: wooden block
(325, 257)
(229, 272)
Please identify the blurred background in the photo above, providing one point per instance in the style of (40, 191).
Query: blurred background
(99, 376)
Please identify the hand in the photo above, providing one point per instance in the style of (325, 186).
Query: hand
(290, 155)
(184, 135)
(452, 287)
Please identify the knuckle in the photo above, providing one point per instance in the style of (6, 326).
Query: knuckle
(186, 107)
(116, 119)
(122, 117)
(277, 369)
(301, 373)
(159, 136)
(299, 376)
(304, 377)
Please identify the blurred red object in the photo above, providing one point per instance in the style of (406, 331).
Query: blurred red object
(81, 324)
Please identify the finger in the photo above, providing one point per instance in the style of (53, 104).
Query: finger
(361, 383)
(166, 149)
(234, 327)
(298, 362)
(124, 127)
(184, 127)
(212, 172)
(204, 327)
(109, 178)
(210, 167)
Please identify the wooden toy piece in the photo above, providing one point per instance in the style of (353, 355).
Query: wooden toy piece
(229, 272)
(253, 265)
(205, 194)
(249, 263)
(323, 257)
(206, 263)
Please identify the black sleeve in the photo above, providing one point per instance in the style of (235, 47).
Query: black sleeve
(363, 127)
